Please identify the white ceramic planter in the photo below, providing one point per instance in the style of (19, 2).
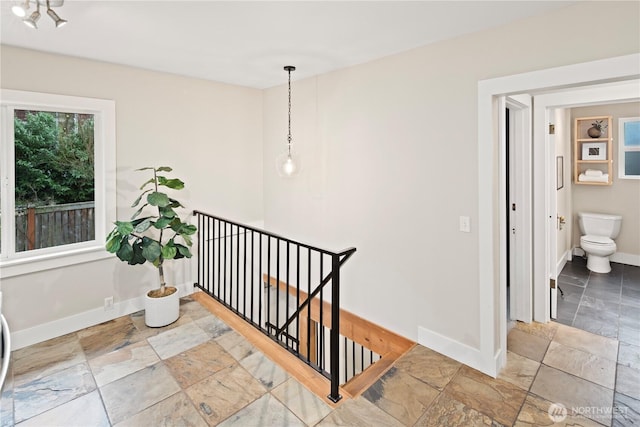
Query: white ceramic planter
(163, 311)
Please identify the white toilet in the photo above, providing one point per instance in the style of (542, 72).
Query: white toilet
(598, 232)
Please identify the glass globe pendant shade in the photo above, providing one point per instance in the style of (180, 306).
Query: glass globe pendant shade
(288, 164)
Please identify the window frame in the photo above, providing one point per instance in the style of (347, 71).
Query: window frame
(622, 149)
(14, 263)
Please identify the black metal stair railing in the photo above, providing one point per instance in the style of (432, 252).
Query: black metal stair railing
(236, 263)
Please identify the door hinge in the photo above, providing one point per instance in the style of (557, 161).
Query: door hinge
(552, 129)
(552, 283)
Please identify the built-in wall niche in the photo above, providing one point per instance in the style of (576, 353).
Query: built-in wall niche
(593, 151)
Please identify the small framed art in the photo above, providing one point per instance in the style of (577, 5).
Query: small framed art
(594, 151)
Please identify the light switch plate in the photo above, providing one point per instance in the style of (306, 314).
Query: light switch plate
(465, 224)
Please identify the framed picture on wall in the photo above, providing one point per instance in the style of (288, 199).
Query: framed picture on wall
(594, 151)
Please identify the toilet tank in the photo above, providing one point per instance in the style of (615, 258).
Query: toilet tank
(596, 224)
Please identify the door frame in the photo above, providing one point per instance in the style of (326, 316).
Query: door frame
(491, 243)
(544, 104)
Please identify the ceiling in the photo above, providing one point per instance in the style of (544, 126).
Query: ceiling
(247, 43)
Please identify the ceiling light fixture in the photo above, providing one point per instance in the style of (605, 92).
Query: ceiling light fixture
(59, 21)
(20, 10)
(288, 163)
(32, 20)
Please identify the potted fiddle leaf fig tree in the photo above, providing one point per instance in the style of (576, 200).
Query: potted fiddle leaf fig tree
(155, 233)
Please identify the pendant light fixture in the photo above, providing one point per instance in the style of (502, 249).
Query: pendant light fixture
(288, 163)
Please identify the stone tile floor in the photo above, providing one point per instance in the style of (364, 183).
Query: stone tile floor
(605, 304)
(199, 372)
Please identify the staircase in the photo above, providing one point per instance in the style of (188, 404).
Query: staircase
(284, 297)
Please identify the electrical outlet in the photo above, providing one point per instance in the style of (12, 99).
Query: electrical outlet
(108, 303)
(465, 224)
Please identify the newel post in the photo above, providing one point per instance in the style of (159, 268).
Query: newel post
(335, 329)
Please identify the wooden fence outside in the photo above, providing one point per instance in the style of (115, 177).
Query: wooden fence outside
(55, 225)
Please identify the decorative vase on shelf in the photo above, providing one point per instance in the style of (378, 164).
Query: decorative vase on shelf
(594, 132)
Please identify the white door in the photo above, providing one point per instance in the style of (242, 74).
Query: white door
(519, 207)
(544, 194)
(552, 213)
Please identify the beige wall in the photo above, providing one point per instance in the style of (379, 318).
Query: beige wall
(622, 197)
(210, 133)
(391, 152)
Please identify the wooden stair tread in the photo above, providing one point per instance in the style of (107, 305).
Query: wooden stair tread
(387, 344)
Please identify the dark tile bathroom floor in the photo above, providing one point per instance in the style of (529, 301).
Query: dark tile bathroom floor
(605, 304)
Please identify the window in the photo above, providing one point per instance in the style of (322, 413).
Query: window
(57, 166)
(629, 148)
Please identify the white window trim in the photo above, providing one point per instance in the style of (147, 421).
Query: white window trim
(622, 173)
(15, 264)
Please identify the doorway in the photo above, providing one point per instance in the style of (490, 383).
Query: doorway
(588, 316)
(492, 198)
(549, 108)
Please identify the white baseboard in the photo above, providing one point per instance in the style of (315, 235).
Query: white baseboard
(619, 257)
(563, 261)
(460, 352)
(623, 258)
(66, 325)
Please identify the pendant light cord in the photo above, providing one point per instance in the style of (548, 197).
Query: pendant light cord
(289, 135)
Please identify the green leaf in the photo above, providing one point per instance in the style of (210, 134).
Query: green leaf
(139, 211)
(135, 203)
(113, 243)
(175, 203)
(183, 250)
(158, 199)
(164, 169)
(137, 257)
(111, 234)
(143, 226)
(181, 228)
(139, 198)
(151, 181)
(186, 239)
(168, 252)
(145, 168)
(176, 224)
(173, 183)
(125, 253)
(188, 229)
(124, 227)
(167, 212)
(162, 223)
(151, 250)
